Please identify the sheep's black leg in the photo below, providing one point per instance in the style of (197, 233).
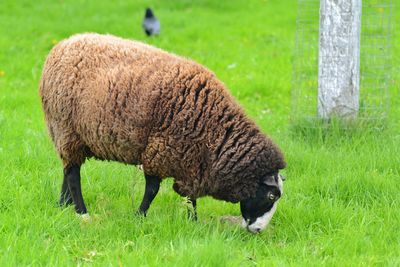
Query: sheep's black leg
(73, 177)
(152, 187)
(65, 198)
(192, 213)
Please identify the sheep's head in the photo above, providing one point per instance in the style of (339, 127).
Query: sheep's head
(257, 211)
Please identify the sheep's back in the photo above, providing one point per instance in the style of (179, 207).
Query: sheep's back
(107, 87)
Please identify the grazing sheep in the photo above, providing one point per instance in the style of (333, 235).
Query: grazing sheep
(114, 99)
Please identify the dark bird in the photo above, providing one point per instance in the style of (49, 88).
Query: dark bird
(150, 24)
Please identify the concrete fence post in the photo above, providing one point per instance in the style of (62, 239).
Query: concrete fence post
(339, 58)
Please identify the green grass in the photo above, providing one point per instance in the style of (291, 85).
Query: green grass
(342, 194)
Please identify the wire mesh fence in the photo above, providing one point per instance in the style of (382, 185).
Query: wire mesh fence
(375, 62)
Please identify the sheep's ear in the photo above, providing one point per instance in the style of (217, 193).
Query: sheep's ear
(270, 180)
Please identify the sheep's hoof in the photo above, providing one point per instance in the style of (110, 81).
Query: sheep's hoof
(140, 213)
(85, 217)
(192, 216)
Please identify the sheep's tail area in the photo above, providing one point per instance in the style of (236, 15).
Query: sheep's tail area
(58, 113)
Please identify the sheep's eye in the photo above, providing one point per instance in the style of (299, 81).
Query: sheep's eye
(271, 196)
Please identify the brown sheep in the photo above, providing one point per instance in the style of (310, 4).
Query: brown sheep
(114, 99)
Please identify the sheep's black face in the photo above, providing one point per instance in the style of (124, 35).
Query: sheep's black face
(258, 211)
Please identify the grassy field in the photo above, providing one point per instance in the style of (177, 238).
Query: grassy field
(342, 195)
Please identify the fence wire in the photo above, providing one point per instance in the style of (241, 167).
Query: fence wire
(375, 61)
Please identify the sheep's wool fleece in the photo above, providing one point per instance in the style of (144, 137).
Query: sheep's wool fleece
(114, 99)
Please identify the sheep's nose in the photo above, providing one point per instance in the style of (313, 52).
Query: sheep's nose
(258, 229)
